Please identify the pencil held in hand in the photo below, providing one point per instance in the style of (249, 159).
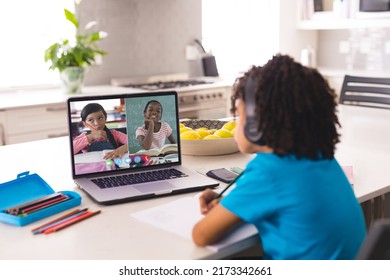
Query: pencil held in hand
(207, 201)
(229, 185)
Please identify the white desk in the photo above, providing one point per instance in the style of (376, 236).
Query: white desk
(111, 235)
(365, 144)
(114, 235)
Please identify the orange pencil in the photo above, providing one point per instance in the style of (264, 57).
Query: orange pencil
(59, 218)
(71, 222)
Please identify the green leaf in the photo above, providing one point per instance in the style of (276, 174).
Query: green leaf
(71, 17)
(64, 53)
(94, 37)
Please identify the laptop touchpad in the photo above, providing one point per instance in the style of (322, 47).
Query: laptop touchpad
(155, 187)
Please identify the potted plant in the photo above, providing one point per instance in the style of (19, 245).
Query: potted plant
(73, 57)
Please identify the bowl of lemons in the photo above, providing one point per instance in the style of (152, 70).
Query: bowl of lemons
(207, 137)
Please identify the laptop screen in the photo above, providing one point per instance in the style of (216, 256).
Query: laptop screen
(125, 132)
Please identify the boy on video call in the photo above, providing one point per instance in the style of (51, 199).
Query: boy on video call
(293, 190)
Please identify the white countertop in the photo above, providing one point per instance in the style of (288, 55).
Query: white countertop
(34, 97)
(25, 98)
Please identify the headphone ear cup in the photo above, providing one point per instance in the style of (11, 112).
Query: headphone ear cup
(251, 130)
(251, 125)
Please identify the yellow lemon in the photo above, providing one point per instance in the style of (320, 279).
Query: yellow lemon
(190, 135)
(229, 125)
(211, 137)
(202, 133)
(184, 129)
(223, 133)
(181, 125)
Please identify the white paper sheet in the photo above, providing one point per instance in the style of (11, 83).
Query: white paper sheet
(181, 215)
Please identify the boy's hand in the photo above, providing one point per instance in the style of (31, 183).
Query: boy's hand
(207, 201)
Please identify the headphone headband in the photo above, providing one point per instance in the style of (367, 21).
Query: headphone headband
(250, 100)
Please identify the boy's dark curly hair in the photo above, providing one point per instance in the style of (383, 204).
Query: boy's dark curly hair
(296, 108)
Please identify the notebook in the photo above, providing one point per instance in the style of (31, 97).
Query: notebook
(140, 173)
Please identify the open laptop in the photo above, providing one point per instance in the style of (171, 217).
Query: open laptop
(139, 174)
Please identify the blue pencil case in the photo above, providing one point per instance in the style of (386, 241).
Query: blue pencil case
(28, 187)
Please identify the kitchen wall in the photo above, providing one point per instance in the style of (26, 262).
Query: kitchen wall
(148, 37)
(292, 40)
(361, 49)
(145, 37)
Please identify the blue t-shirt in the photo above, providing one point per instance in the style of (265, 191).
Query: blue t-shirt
(303, 209)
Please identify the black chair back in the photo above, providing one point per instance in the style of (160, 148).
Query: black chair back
(376, 246)
(365, 91)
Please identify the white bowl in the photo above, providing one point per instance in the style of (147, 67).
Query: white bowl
(208, 147)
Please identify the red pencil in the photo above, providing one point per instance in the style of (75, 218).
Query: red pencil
(44, 204)
(74, 216)
(70, 222)
(18, 209)
(58, 219)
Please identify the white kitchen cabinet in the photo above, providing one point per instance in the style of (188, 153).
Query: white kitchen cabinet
(345, 15)
(334, 24)
(35, 123)
(35, 115)
(29, 115)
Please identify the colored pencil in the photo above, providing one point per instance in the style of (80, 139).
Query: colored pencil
(17, 209)
(59, 218)
(229, 185)
(71, 222)
(43, 204)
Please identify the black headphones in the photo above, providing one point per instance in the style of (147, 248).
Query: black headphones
(251, 125)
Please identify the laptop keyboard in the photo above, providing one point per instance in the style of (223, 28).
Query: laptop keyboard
(138, 178)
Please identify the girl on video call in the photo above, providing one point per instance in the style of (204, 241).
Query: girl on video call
(100, 138)
(293, 190)
(153, 133)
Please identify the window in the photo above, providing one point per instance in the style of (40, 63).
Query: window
(27, 28)
(240, 33)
